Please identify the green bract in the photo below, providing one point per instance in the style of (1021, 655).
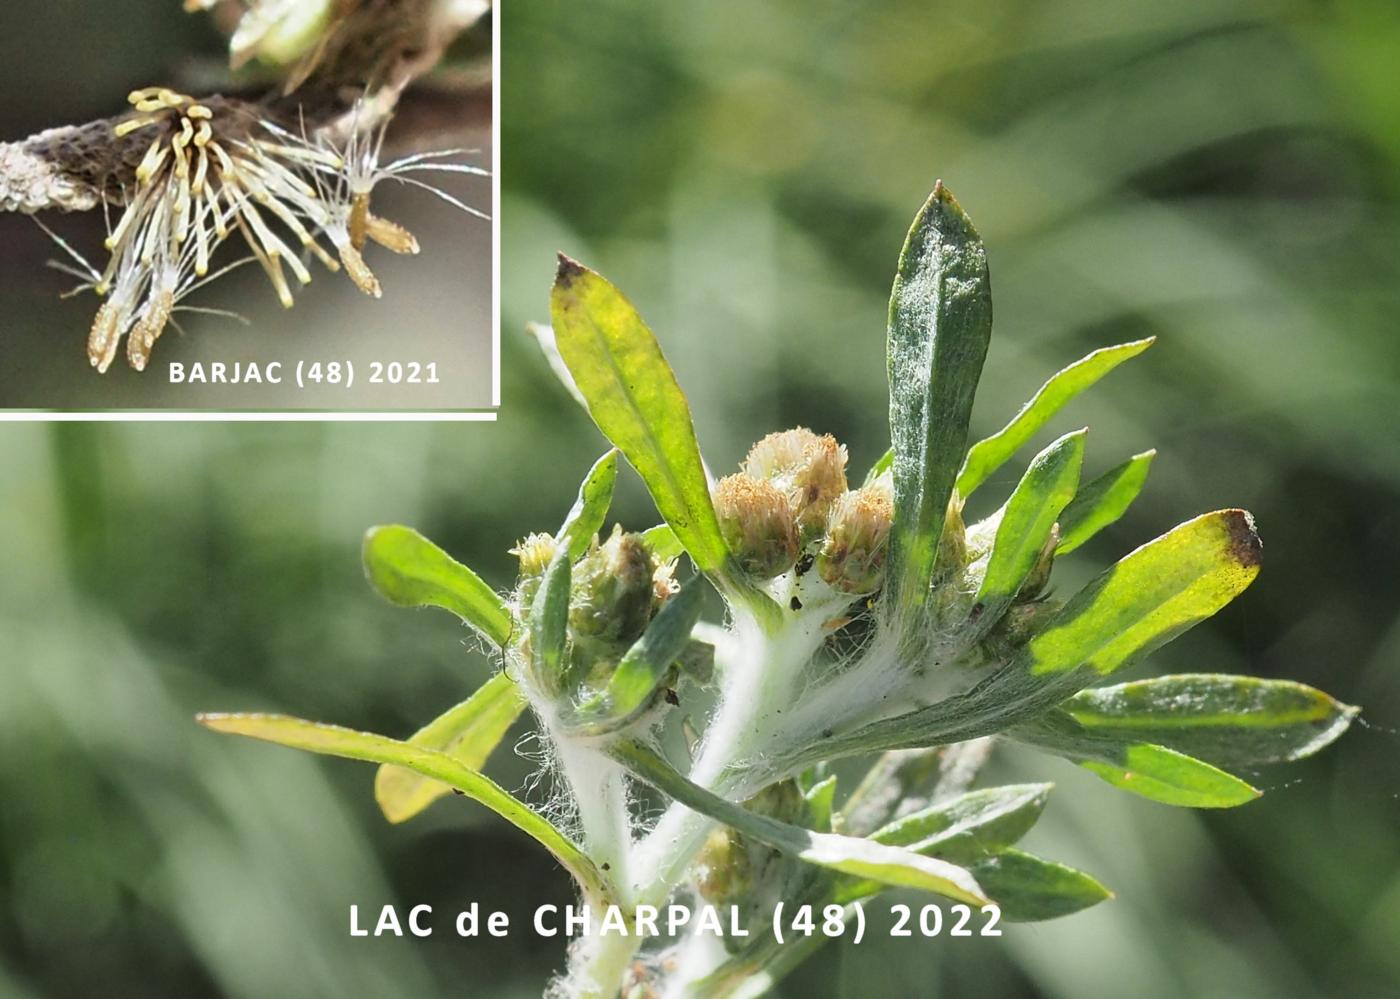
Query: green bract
(855, 622)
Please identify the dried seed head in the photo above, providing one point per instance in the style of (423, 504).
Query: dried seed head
(154, 318)
(852, 555)
(358, 271)
(809, 470)
(390, 235)
(104, 336)
(758, 526)
(191, 173)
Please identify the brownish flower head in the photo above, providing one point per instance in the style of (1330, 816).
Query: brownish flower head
(809, 470)
(852, 556)
(757, 524)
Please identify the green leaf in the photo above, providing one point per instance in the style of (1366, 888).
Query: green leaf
(634, 398)
(970, 824)
(1027, 520)
(1102, 501)
(863, 858)
(586, 517)
(1152, 771)
(409, 570)
(549, 347)
(821, 799)
(940, 323)
(985, 457)
(646, 663)
(1151, 596)
(1226, 720)
(549, 623)
(880, 467)
(1029, 889)
(468, 733)
(963, 829)
(332, 740)
(1142, 602)
(663, 542)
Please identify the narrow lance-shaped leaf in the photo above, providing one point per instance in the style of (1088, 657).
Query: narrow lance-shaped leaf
(634, 398)
(585, 518)
(549, 623)
(1152, 771)
(969, 824)
(1026, 888)
(940, 323)
(1152, 595)
(1142, 602)
(332, 740)
(645, 664)
(986, 456)
(821, 801)
(409, 570)
(1031, 889)
(1103, 501)
(860, 857)
(962, 829)
(1027, 520)
(468, 733)
(1225, 720)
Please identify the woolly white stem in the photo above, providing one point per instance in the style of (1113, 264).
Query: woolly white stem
(599, 789)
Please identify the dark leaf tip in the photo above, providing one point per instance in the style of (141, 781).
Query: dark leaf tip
(1245, 546)
(569, 271)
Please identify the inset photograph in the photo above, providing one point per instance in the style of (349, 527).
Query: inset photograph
(248, 206)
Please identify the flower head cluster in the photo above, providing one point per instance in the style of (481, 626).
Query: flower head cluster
(789, 506)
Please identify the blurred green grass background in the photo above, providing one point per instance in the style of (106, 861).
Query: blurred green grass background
(1221, 174)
